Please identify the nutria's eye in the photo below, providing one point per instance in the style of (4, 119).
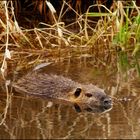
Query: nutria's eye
(88, 94)
(77, 92)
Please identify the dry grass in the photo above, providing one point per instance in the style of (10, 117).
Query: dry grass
(114, 41)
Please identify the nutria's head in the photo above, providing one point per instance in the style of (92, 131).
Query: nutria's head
(90, 98)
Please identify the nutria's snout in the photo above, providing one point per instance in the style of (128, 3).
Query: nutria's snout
(106, 103)
(100, 104)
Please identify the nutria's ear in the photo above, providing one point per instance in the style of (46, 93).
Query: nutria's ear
(77, 92)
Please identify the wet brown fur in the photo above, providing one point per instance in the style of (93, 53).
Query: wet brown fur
(59, 87)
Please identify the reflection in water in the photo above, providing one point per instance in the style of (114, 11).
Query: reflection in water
(31, 117)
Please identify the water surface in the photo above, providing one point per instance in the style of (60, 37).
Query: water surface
(31, 118)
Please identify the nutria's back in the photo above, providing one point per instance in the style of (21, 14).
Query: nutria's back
(52, 86)
(59, 87)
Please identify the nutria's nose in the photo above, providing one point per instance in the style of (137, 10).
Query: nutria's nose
(107, 102)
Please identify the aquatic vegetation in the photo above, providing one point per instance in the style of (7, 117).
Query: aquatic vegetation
(114, 35)
(110, 38)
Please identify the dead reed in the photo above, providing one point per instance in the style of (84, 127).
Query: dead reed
(114, 40)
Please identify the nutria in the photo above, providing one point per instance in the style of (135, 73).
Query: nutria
(84, 97)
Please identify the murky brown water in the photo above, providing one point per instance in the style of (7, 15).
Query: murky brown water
(31, 118)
